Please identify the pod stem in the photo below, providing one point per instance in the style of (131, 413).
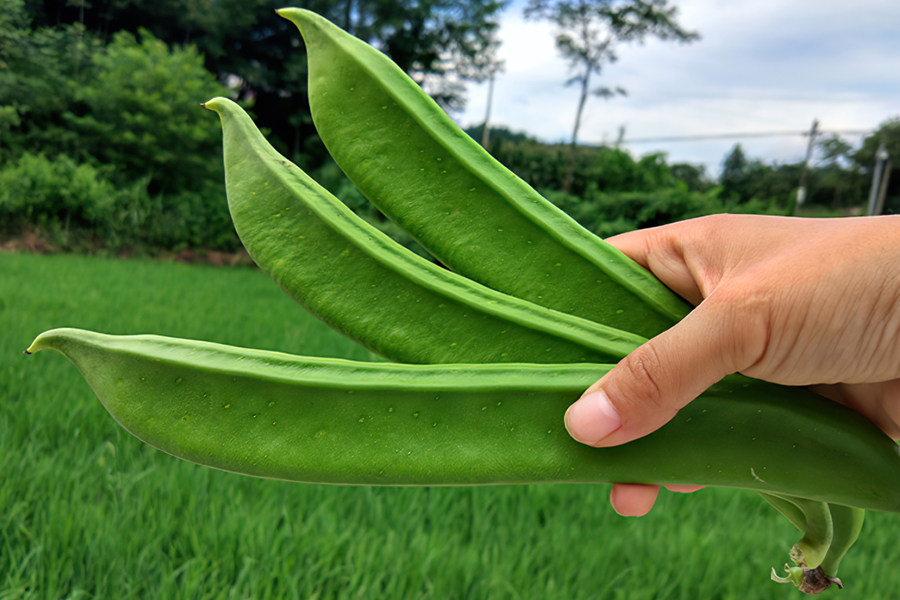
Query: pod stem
(808, 581)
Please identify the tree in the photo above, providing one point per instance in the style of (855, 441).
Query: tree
(887, 135)
(694, 176)
(832, 149)
(591, 30)
(141, 114)
(734, 170)
(746, 182)
(484, 67)
(433, 40)
(41, 70)
(440, 43)
(835, 184)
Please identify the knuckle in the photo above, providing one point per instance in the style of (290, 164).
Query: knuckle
(747, 317)
(643, 387)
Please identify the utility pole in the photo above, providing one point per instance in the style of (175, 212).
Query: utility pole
(620, 137)
(801, 191)
(879, 181)
(882, 192)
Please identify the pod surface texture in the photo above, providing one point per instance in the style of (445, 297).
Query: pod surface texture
(421, 170)
(365, 285)
(321, 420)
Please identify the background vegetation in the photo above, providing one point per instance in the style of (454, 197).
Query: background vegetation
(103, 146)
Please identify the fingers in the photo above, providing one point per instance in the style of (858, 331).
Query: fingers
(647, 388)
(633, 499)
(684, 489)
(878, 402)
(636, 500)
(660, 251)
(650, 385)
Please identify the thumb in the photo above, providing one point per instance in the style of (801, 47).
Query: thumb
(649, 386)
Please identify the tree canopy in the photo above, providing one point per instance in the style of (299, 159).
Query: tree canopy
(591, 31)
(438, 42)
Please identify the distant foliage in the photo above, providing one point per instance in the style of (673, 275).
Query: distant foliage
(77, 208)
(140, 111)
(107, 145)
(889, 135)
(611, 213)
(59, 195)
(40, 73)
(837, 179)
(103, 143)
(744, 180)
(612, 192)
(545, 166)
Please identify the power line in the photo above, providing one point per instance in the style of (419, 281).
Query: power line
(728, 136)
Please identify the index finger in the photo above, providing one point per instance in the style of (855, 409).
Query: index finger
(660, 251)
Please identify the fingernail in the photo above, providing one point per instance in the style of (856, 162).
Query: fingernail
(592, 418)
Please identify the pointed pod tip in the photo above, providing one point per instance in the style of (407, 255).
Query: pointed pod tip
(287, 13)
(32, 348)
(299, 16)
(52, 339)
(215, 104)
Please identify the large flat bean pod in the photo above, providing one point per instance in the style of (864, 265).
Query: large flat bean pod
(375, 291)
(409, 158)
(332, 421)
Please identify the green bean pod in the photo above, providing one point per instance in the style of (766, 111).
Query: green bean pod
(847, 524)
(830, 530)
(409, 158)
(321, 420)
(811, 517)
(372, 289)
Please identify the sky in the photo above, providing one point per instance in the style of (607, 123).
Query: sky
(760, 66)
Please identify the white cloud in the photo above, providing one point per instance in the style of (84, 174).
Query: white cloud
(761, 66)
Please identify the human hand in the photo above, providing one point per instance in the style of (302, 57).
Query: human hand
(787, 300)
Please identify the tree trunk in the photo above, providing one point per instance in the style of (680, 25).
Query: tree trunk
(348, 17)
(585, 82)
(570, 167)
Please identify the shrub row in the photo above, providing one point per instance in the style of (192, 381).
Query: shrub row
(77, 207)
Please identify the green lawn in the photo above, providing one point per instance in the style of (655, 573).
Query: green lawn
(87, 511)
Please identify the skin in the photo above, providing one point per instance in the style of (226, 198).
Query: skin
(793, 301)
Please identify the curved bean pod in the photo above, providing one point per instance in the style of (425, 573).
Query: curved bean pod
(834, 526)
(373, 290)
(409, 158)
(847, 524)
(816, 525)
(320, 420)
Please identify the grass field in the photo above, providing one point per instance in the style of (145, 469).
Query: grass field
(87, 511)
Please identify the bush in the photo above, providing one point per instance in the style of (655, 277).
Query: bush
(40, 73)
(545, 166)
(56, 195)
(76, 206)
(141, 113)
(609, 214)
